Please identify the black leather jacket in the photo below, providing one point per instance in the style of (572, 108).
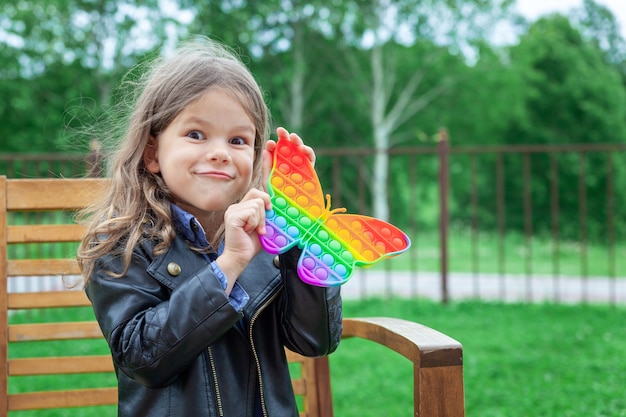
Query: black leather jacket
(181, 349)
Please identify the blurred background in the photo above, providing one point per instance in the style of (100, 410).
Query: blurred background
(486, 129)
(493, 132)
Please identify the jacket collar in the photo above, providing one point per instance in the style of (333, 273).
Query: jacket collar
(191, 230)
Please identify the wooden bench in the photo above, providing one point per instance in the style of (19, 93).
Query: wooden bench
(75, 350)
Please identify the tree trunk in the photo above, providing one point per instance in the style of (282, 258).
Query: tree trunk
(381, 136)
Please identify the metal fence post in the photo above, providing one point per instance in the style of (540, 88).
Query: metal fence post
(443, 152)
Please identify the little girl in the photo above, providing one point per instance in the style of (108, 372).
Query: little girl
(197, 317)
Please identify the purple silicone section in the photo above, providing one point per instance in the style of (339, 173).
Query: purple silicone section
(275, 241)
(315, 272)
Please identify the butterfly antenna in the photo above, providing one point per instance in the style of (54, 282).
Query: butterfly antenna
(333, 211)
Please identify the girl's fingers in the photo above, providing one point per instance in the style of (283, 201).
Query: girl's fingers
(262, 198)
(293, 137)
(281, 132)
(247, 216)
(309, 152)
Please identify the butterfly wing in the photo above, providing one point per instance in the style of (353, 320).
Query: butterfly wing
(345, 241)
(297, 199)
(369, 239)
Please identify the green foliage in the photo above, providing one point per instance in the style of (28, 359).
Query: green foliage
(65, 56)
(563, 83)
(571, 95)
(600, 26)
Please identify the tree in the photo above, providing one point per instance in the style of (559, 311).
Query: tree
(67, 55)
(572, 96)
(392, 101)
(278, 36)
(598, 25)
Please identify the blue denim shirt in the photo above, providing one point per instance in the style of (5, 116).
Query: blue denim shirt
(191, 229)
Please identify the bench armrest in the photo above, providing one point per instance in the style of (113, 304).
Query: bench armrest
(437, 361)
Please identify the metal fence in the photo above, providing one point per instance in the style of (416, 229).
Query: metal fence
(511, 223)
(559, 202)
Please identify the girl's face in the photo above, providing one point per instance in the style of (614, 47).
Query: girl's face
(206, 154)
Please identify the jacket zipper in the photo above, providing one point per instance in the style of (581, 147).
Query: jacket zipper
(220, 407)
(254, 352)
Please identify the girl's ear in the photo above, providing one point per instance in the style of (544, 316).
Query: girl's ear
(150, 156)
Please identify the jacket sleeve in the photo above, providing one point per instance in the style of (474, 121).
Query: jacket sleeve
(156, 330)
(311, 316)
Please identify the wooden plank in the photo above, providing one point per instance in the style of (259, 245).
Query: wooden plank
(42, 267)
(43, 233)
(54, 331)
(294, 357)
(49, 299)
(61, 365)
(52, 194)
(299, 386)
(437, 361)
(59, 399)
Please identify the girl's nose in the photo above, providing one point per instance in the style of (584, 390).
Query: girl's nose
(219, 153)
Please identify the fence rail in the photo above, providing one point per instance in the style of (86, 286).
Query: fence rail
(519, 222)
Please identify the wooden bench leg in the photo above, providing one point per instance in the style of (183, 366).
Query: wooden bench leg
(439, 392)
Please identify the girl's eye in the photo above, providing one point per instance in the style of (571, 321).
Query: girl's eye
(194, 134)
(238, 141)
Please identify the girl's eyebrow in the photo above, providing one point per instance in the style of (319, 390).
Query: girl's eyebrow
(195, 119)
(199, 120)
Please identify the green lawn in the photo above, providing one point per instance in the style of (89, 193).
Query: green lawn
(519, 360)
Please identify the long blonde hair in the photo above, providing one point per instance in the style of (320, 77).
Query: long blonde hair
(136, 205)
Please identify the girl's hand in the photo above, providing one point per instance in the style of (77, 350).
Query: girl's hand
(243, 223)
(270, 146)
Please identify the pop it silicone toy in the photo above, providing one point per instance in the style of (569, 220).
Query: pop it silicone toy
(333, 242)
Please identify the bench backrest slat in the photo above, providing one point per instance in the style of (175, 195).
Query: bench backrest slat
(62, 399)
(48, 299)
(63, 364)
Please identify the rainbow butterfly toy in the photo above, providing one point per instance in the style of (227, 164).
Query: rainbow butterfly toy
(333, 242)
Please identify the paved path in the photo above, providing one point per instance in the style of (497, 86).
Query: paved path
(507, 288)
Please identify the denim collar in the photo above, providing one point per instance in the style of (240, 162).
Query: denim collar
(190, 228)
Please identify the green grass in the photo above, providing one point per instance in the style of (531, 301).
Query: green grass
(519, 360)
